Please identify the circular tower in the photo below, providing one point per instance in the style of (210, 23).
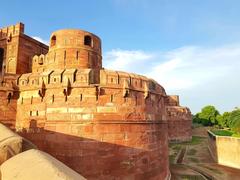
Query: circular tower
(72, 48)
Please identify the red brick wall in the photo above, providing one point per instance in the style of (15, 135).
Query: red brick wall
(8, 100)
(108, 150)
(19, 49)
(96, 134)
(180, 130)
(179, 123)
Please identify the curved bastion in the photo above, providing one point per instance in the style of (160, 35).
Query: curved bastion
(104, 124)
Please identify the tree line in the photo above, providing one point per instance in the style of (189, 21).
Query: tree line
(210, 116)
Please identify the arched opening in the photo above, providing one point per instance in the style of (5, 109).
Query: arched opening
(1, 60)
(11, 66)
(88, 41)
(53, 41)
(40, 62)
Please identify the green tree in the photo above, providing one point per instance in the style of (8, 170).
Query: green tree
(234, 120)
(208, 115)
(196, 118)
(225, 119)
(220, 120)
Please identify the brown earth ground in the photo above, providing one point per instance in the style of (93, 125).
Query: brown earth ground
(193, 161)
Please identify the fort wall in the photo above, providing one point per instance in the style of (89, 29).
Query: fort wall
(120, 120)
(102, 123)
(179, 120)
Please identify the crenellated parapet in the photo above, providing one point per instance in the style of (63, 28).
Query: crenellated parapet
(17, 50)
(76, 78)
(8, 32)
(178, 113)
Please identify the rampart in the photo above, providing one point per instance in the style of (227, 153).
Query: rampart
(179, 120)
(104, 124)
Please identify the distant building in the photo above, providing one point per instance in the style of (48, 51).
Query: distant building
(102, 123)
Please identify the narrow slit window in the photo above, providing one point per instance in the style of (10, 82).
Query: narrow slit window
(9, 97)
(54, 57)
(77, 54)
(111, 99)
(65, 54)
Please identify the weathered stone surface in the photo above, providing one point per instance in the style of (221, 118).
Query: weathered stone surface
(179, 120)
(12, 144)
(35, 164)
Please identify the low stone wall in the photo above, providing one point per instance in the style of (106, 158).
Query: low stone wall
(225, 150)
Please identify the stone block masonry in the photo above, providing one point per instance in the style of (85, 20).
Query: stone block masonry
(104, 124)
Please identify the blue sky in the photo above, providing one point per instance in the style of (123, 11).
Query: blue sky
(191, 47)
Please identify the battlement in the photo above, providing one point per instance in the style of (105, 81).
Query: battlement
(86, 77)
(12, 30)
(172, 100)
(179, 112)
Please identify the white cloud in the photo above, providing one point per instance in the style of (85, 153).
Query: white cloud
(199, 74)
(126, 60)
(41, 40)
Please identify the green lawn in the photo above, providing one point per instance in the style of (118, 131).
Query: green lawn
(223, 132)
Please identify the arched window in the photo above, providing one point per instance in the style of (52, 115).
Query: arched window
(88, 41)
(53, 41)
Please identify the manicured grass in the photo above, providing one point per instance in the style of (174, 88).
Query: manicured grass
(222, 132)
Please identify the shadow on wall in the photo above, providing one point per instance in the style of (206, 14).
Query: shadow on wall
(97, 159)
(212, 146)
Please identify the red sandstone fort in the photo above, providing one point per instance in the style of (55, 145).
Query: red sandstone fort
(104, 124)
